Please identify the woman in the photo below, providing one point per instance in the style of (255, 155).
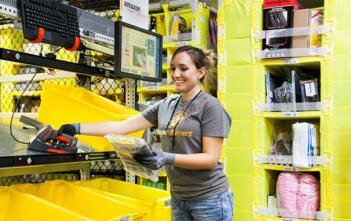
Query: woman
(193, 126)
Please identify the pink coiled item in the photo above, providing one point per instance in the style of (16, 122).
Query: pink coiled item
(287, 187)
(298, 195)
(308, 196)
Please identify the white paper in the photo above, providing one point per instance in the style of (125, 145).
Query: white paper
(300, 156)
(310, 89)
(135, 12)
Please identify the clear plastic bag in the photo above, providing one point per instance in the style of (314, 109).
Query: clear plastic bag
(282, 144)
(126, 147)
(284, 93)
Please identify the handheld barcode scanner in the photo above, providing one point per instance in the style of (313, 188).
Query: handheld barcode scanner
(48, 140)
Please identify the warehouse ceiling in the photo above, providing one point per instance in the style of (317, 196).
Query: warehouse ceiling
(155, 5)
(101, 5)
(114, 4)
(97, 5)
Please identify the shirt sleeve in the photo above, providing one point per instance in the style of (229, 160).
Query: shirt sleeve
(216, 121)
(151, 113)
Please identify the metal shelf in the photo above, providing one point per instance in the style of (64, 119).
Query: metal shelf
(15, 56)
(274, 214)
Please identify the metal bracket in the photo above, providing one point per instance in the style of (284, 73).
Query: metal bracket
(130, 93)
(85, 172)
(222, 58)
(221, 31)
(287, 160)
(130, 178)
(274, 212)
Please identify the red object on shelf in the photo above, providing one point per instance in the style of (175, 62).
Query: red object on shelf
(40, 36)
(75, 44)
(280, 3)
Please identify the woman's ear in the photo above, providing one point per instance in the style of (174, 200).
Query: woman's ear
(202, 72)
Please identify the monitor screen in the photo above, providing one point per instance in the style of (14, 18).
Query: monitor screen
(138, 53)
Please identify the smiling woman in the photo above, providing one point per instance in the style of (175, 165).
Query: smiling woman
(192, 126)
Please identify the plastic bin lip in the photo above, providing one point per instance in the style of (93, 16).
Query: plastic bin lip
(103, 204)
(166, 193)
(162, 194)
(114, 194)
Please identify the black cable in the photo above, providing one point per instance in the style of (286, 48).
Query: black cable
(14, 109)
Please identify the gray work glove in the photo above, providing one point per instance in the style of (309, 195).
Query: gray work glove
(70, 129)
(155, 160)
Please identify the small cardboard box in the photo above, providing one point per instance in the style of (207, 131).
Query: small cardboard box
(301, 19)
(307, 18)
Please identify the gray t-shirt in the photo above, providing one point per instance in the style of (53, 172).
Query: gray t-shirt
(204, 117)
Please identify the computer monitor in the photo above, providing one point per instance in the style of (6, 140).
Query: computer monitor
(138, 53)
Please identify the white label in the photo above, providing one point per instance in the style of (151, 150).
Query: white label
(290, 61)
(290, 168)
(125, 218)
(310, 89)
(316, 17)
(151, 88)
(135, 12)
(290, 114)
(181, 43)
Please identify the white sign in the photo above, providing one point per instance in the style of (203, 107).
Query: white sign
(290, 114)
(135, 12)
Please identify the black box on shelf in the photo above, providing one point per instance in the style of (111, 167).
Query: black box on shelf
(309, 90)
(275, 22)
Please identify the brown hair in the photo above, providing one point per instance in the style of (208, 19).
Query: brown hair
(206, 59)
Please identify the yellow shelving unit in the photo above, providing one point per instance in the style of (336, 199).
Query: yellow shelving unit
(241, 83)
(285, 115)
(196, 16)
(290, 168)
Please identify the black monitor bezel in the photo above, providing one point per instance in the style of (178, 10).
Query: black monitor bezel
(118, 57)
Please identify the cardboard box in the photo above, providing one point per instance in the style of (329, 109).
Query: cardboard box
(307, 18)
(301, 19)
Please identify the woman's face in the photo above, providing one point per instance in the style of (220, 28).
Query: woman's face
(184, 73)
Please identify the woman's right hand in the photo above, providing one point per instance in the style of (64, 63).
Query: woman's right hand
(70, 129)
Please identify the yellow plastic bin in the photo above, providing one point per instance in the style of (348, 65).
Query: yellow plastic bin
(156, 202)
(68, 104)
(82, 201)
(21, 206)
